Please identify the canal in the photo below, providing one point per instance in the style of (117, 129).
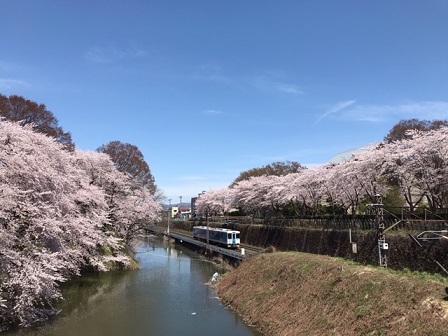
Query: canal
(170, 295)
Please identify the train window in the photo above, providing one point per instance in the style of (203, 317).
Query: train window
(238, 235)
(229, 236)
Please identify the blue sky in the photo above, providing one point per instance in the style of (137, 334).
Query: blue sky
(207, 89)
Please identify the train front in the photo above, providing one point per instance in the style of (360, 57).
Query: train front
(233, 239)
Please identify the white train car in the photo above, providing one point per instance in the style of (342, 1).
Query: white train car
(217, 236)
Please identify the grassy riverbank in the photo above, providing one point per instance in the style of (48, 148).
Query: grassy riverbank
(290, 293)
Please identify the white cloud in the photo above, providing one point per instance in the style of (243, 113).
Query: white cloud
(9, 83)
(289, 88)
(212, 112)
(11, 70)
(419, 110)
(428, 110)
(6, 66)
(112, 54)
(96, 55)
(334, 109)
(211, 72)
(268, 82)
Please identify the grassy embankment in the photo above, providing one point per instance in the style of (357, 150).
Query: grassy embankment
(291, 293)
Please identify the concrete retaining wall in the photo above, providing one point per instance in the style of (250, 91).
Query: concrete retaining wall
(403, 251)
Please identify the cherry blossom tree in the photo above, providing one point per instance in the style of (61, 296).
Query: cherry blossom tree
(427, 161)
(249, 195)
(60, 212)
(289, 194)
(401, 165)
(307, 190)
(214, 202)
(350, 192)
(36, 215)
(331, 181)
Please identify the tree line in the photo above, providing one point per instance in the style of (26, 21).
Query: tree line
(409, 168)
(62, 210)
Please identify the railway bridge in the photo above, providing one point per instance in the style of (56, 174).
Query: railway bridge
(233, 254)
(182, 238)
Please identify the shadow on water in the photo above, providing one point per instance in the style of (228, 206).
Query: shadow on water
(168, 296)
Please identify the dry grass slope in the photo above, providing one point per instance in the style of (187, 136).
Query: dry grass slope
(290, 293)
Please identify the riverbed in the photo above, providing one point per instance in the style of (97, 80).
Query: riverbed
(170, 295)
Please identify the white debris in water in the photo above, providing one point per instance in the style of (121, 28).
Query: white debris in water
(193, 313)
(215, 277)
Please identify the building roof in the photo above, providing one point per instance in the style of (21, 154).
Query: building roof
(347, 155)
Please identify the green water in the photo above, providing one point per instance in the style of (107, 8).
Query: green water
(168, 296)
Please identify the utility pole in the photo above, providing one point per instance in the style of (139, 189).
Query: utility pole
(169, 217)
(208, 234)
(379, 220)
(178, 210)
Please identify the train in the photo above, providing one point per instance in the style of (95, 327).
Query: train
(218, 236)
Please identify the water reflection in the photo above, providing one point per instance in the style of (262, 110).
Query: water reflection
(167, 296)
